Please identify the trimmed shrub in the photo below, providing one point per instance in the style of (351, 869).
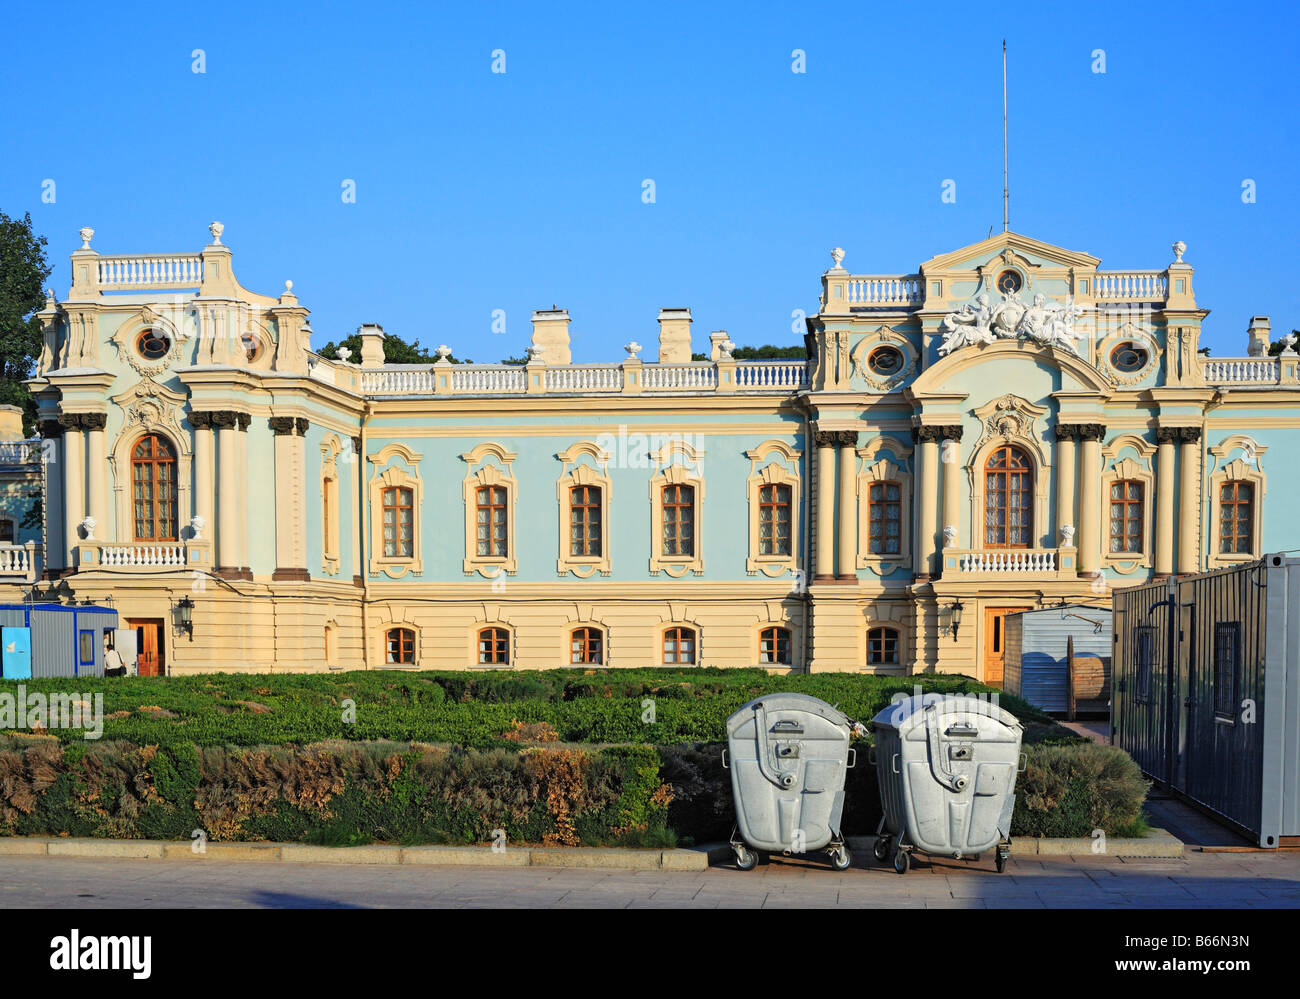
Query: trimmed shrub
(1074, 790)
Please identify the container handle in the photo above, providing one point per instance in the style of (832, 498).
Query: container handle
(853, 759)
(724, 760)
(893, 764)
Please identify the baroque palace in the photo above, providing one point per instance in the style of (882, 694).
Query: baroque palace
(1006, 427)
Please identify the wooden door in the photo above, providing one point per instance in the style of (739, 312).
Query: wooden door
(150, 651)
(995, 636)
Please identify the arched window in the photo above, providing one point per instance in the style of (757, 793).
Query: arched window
(1236, 517)
(679, 520)
(400, 643)
(332, 642)
(882, 647)
(493, 647)
(1126, 516)
(1008, 493)
(584, 522)
(153, 488)
(679, 647)
(774, 646)
(586, 646)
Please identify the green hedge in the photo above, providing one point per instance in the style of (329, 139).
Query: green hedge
(343, 793)
(467, 708)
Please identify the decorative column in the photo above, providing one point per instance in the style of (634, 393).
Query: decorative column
(97, 469)
(74, 488)
(949, 457)
(1065, 514)
(53, 504)
(847, 440)
(202, 424)
(1189, 518)
(928, 496)
(358, 506)
(241, 452)
(290, 553)
(825, 554)
(227, 498)
(1166, 437)
(1091, 435)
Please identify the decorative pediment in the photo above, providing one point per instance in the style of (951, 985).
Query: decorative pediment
(151, 407)
(1009, 418)
(1044, 321)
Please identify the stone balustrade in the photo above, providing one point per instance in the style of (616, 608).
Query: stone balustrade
(20, 562)
(1045, 563)
(144, 556)
(1242, 371)
(884, 290)
(149, 271)
(1130, 286)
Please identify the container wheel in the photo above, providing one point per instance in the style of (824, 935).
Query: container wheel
(841, 859)
(746, 859)
(881, 850)
(902, 861)
(1002, 860)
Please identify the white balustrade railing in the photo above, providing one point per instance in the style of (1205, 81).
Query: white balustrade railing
(1013, 561)
(20, 452)
(1130, 286)
(19, 560)
(488, 378)
(142, 555)
(585, 378)
(903, 289)
(771, 374)
(680, 377)
(183, 270)
(397, 380)
(1243, 371)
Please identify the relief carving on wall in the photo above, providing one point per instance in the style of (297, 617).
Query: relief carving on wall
(1045, 322)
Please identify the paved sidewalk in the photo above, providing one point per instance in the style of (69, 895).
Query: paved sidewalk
(1218, 880)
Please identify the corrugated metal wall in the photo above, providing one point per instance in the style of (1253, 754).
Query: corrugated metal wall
(1036, 646)
(1189, 687)
(55, 643)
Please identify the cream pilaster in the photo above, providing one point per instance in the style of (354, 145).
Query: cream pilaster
(1090, 497)
(55, 530)
(290, 457)
(949, 454)
(1065, 434)
(74, 489)
(1164, 511)
(928, 491)
(202, 424)
(227, 494)
(847, 526)
(1189, 500)
(242, 490)
(97, 470)
(825, 553)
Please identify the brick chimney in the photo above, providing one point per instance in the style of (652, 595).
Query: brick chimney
(674, 336)
(551, 333)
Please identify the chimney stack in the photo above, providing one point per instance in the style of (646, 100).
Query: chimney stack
(1258, 333)
(551, 333)
(674, 336)
(372, 345)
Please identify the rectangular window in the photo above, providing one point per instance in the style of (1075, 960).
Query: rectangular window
(401, 646)
(584, 522)
(1236, 518)
(1144, 650)
(679, 520)
(1227, 668)
(86, 648)
(399, 540)
(885, 518)
(1126, 516)
(774, 646)
(679, 647)
(491, 521)
(6, 532)
(882, 647)
(774, 520)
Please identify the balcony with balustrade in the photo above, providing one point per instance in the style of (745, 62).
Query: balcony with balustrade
(20, 563)
(144, 556)
(1019, 564)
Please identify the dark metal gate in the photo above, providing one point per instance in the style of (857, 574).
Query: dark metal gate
(1188, 687)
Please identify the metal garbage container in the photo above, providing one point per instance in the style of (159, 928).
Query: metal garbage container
(947, 766)
(788, 754)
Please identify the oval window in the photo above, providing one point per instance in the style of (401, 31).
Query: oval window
(1009, 282)
(252, 346)
(153, 344)
(885, 361)
(1129, 357)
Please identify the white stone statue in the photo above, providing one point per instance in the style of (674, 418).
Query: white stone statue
(949, 536)
(87, 526)
(1067, 535)
(344, 354)
(967, 326)
(727, 346)
(197, 523)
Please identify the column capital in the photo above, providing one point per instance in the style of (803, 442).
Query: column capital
(950, 432)
(70, 421)
(928, 433)
(845, 438)
(824, 438)
(301, 424)
(1067, 431)
(243, 419)
(1167, 435)
(1092, 431)
(201, 420)
(1189, 435)
(356, 446)
(224, 419)
(51, 429)
(94, 421)
(282, 425)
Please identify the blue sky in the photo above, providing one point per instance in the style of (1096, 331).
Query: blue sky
(478, 191)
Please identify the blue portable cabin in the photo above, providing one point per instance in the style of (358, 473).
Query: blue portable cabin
(62, 639)
(1035, 648)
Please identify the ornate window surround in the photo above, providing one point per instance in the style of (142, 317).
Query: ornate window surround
(1115, 468)
(1246, 468)
(673, 472)
(498, 472)
(388, 475)
(1128, 331)
(578, 472)
(1010, 420)
(877, 469)
(884, 336)
(778, 471)
(147, 408)
(330, 449)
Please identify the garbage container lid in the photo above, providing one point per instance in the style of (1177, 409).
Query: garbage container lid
(786, 702)
(906, 713)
